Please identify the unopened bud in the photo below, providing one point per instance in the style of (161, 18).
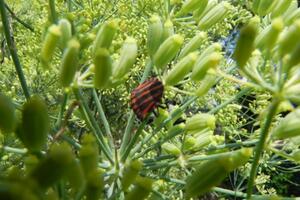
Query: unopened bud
(268, 37)
(50, 43)
(288, 127)
(193, 44)
(105, 35)
(69, 63)
(66, 32)
(7, 114)
(167, 51)
(191, 5)
(200, 121)
(289, 39)
(245, 43)
(170, 148)
(215, 15)
(103, 68)
(155, 34)
(181, 69)
(202, 66)
(127, 58)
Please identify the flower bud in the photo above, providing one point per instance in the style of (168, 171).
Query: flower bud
(193, 44)
(268, 37)
(50, 43)
(203, 139)
(130, 172)
(245, 43)
(205, 85)
(189, 142)
(200, 121)
(201, 66)
(215, 15)
(66, 32)
(54, 166)
(265, 7)
(7, 114)
(280, 7)
(214, 47)
(200, 12)
(168, 29)
(75, 175)
(105, 35)
(88, 154)
(211, 173)
(162, 115)
(35, 126)
(141, 190)
(95, 184)
(288, 127)
(191, 5)
(167, 51)
(170, 148)
(69, 63)
(155, 34)
(181, 69)
(175, 130)
(127, 58)
(103, 68)
(289, 39)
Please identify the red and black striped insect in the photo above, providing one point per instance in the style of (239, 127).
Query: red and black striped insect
(146, 97)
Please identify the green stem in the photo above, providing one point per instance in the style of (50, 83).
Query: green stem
(14, 150)
(13, 15)
(52, 11)
(12, 49)
(232, 145)
(93, 124)
(128, 129)
(133, 141)
(234, 98)
(103, 117)
(61, 112)
(260, 146)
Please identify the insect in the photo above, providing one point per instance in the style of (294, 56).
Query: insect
(146, 97)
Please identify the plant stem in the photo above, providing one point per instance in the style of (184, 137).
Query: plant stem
(12, 49)
(61, 112)
(52, 12)
(93, 124)
(14, 150)
(13, 15)
(133, 141)
(260, 146)
(103, 117)
(234, 98)
(126, 137)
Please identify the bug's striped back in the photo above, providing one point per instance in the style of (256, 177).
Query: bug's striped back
(146, 97)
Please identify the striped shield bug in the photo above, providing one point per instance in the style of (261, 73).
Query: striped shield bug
(146, 97)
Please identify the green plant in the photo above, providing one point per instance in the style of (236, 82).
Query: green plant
(97, 52)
